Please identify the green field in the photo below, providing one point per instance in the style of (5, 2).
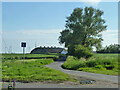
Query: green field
(19, 56)
(98, 63)
(32, 69)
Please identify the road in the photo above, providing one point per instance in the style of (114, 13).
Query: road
(102, 77)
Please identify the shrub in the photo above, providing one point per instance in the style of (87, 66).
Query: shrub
(98, 63)
(109, 67)
(62, 55)
(100, 67)
(81, 51)
(91, 63)
(73, 63)
(55, 58)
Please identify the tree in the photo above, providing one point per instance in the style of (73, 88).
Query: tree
(83, 27)
(110, 49)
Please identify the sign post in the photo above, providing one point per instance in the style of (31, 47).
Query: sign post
(23, 44)
(14, 84)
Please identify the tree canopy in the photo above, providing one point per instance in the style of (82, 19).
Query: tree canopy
(83, 27)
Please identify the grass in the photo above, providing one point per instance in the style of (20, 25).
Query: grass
(98, 63)
(28, 56)
(31, 70)
(19, 56)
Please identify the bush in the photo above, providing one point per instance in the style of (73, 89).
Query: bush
(109, 67)
(98, 63)
(91, 63)
(73, 63)
(100, 67)
(81, 51)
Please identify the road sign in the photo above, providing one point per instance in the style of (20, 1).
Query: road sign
(23, 44)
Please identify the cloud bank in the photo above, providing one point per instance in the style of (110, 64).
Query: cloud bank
(40, 37)
(46, 38)
(110, 37)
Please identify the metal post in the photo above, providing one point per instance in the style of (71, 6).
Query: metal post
(14, 84)
(23, 44)
(23, 54)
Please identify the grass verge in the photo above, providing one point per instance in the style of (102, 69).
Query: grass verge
(98, 63)
(31, 71)
(20, 56)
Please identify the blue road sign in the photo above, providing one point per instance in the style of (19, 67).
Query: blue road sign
(23, 44)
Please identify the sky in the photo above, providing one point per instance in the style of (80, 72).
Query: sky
(40, 23)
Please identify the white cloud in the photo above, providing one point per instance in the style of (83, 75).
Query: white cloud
(32, 34)
(92, 2)
(110, 37)
(39, 32)
(46, 38)
(41, 37)
(96, 2)
(109, 33)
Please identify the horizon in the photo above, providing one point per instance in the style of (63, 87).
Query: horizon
(40, 24)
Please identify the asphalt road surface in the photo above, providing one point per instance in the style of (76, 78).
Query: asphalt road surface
(102, 77)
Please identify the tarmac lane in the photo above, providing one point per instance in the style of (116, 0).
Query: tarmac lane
(101, 79)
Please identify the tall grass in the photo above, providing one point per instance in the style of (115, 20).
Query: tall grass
(20, 56)
(33, 70)
(99, 63)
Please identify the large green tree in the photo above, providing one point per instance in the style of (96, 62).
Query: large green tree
(83, 27)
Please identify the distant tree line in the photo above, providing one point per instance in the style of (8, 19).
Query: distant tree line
(110, 49)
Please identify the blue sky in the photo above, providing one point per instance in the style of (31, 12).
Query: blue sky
(41, 22)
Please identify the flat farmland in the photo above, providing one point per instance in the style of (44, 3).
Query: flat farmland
(32, 70)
